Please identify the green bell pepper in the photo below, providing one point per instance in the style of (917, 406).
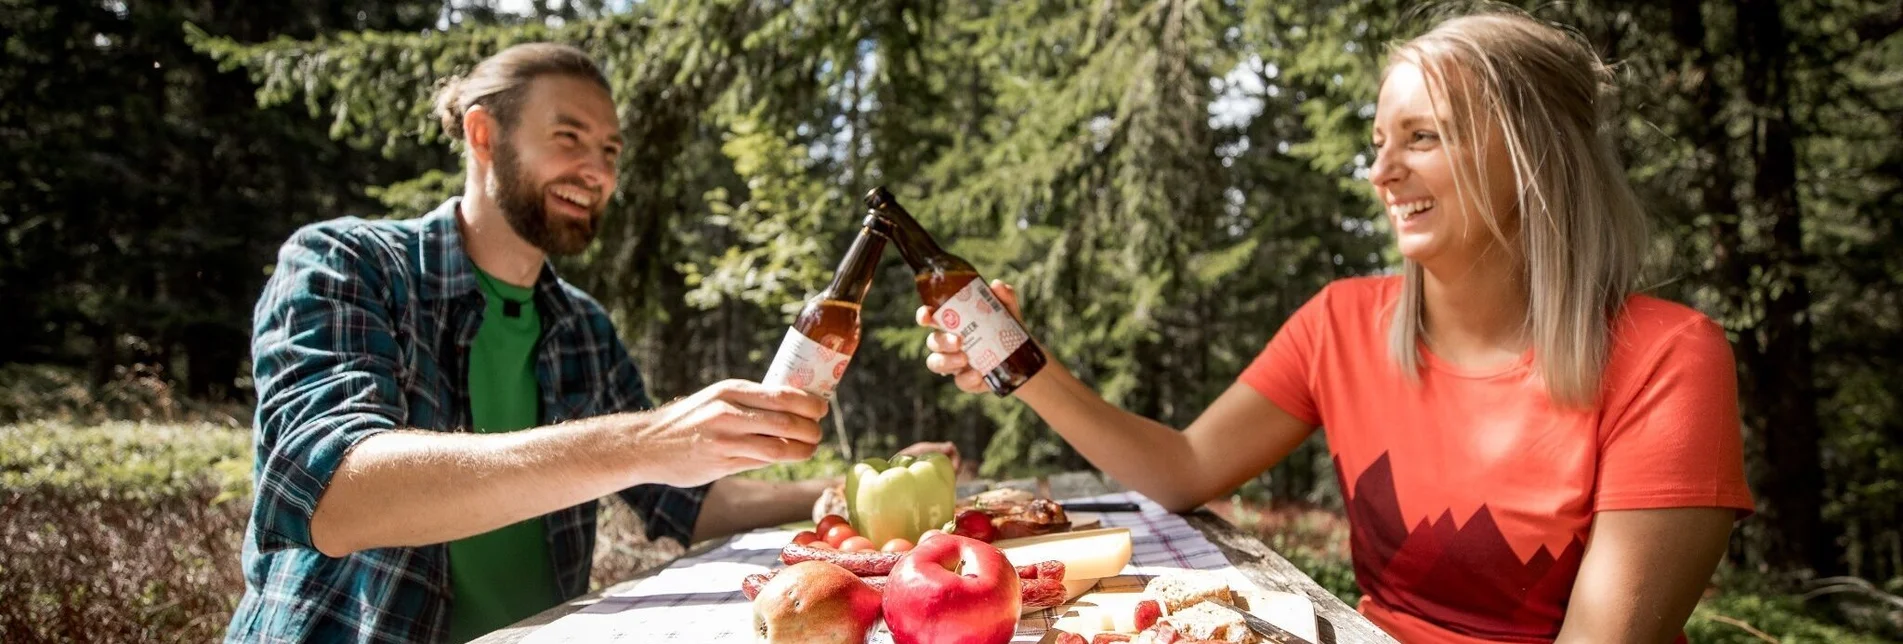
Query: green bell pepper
(900, 498)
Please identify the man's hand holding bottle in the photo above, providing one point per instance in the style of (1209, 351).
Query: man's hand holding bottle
(730, 427)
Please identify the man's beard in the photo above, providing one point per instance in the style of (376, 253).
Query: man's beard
(525, 206)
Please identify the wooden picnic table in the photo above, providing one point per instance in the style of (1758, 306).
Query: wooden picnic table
(1338, 622)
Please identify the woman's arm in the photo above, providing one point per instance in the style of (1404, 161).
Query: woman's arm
(1241, 434)
(1237, 437)
(1643, 573)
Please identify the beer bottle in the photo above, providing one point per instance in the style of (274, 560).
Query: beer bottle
(994, 341)
(823, 338)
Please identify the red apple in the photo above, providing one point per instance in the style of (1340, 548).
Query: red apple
(952, 590)
(814, 602)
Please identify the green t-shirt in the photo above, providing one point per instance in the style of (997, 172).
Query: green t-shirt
(500, 577)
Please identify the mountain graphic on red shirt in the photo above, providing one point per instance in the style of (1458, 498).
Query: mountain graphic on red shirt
(1465, 579)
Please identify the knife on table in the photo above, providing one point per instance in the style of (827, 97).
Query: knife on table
(1101, 507)
(1261, 626)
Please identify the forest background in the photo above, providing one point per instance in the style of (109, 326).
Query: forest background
(1165, 181)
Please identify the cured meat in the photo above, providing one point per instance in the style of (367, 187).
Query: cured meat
(863, 563)
(1042, 570)
(1040, 593)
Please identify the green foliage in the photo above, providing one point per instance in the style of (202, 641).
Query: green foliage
(349, 77)
(125, 461)
(825, 463)
(1334, 574)
(64, 394)
(417, 197)
(779, 226)
(121, 532)
(1724, 619)
(143, 192)
(1163, 181)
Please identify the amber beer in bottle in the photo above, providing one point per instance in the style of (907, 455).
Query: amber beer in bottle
(823, 338)
(994, 341)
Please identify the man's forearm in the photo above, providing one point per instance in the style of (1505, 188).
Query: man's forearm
(411, 488)
(736, 505)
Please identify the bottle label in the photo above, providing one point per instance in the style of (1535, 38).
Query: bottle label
(804, 364)
(980, 321)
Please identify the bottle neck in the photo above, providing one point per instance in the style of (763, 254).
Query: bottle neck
(915, 245)
(856, 271)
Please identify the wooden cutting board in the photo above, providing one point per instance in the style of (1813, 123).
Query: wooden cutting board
(1114, 612)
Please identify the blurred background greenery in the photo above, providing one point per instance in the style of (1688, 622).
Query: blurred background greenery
(1164, 181)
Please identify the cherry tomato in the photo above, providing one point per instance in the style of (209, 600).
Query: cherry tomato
(827, 522)
(897, 545)
(856, 543)
(821, 545)
(839, 533)
(805, 537)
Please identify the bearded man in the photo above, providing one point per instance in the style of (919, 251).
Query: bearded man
(438, 412)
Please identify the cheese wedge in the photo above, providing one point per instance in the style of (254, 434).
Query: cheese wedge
(1087, 554)
(1111, 612)
(1085, 621)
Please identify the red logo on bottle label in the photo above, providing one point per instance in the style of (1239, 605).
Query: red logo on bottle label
(839, 370)
(949, 319)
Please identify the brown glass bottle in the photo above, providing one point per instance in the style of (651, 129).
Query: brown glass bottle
(994, 341)
(823, 338)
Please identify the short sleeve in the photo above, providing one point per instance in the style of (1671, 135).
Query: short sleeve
(1679, 440)
(1283, 371)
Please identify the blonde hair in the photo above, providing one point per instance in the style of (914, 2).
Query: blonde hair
(1582, 232)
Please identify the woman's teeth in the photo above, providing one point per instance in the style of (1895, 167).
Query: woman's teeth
(1406, 211)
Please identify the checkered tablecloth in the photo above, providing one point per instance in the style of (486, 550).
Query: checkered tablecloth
(697, 599)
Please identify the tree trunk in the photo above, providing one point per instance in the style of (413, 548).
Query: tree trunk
(1714, 187)
(1790, 479)
(213, 354)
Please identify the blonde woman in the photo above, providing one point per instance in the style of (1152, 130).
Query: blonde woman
(1530, 451)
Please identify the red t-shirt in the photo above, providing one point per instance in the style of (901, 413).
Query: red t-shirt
(1470, 494)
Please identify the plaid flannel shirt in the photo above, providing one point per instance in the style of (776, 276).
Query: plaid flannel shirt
(365, 328)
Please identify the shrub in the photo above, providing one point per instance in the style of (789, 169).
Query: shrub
(130, 532)
(35, 392)
(1740, 615)
(126, 532)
